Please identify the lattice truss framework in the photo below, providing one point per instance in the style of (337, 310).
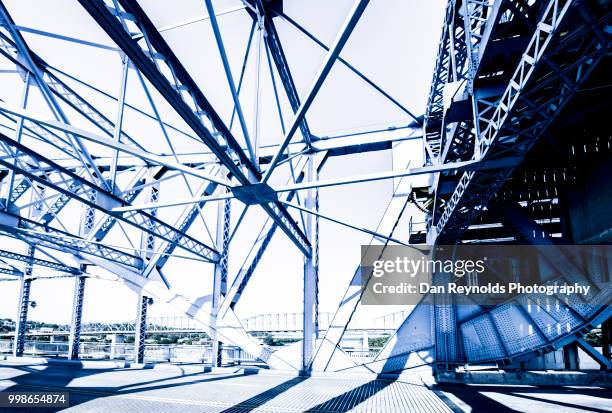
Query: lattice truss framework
(51, 168)
(83, 158)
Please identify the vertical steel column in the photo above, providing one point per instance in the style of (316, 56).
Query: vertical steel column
(147, 240)
(77, 315)
(445, 327)
(606, 338)
(259, 33)
(220, 276)
(24, 304)
(310, 275)
(141, 328)
(571, 360)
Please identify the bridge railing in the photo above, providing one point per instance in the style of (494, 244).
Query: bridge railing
(125, 351)
(362, 356)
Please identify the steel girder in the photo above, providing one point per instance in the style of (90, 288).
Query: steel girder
(220, 273)
(141, 328)
(449, 68)
(240, 281)
(23, 50)
(30, 260)
(13, 272)
(61, 89)
(310, 331)
(33, 232)
(160, 260)
(82, 191)
(228, 327)
(77, 316)
(466, 31)
(512, 124)
(278, 55)
(24, 305)
(181, 91)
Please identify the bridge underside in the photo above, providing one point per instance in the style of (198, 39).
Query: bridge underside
(520, 154)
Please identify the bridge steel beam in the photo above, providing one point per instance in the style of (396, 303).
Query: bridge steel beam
(311, 272)
(604, 362)
(228, 328)
(240, 281)
(83, 192)
(230, 80)
(7, 197)
(24, 304)
(278, 55)
(44, 235)
(23, 49)
(141, 328)
(56, 266)
(513, 123)
(189, 216)
(352, 296)
(220, 275)
(181, 92)
(77, 316)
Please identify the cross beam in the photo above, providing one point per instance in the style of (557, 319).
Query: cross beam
(181, 92)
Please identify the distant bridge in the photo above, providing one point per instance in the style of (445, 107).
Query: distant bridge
(277, 324)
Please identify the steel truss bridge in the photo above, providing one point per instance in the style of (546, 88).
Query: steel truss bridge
(515, 139)
(261, 323)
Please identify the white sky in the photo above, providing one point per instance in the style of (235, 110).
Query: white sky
(394, 44)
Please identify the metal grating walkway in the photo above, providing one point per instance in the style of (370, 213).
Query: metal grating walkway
(188, 389)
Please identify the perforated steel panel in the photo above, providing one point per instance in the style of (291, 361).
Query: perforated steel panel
(480, 341)
(551, 315)
(415, 333)
(516, 330)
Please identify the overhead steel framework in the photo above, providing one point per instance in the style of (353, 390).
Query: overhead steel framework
(507, 73)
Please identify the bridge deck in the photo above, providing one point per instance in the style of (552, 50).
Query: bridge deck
(189, 389)
(186, 388)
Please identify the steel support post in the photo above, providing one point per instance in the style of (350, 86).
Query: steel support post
(220, 276)
(147, 239)
(77, 315)
(606, 338)
(141, 328)
(445, 328)
(24, 304)
(310, 275)
(571, 360)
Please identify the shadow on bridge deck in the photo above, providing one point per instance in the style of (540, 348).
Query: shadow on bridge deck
(193, 387)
